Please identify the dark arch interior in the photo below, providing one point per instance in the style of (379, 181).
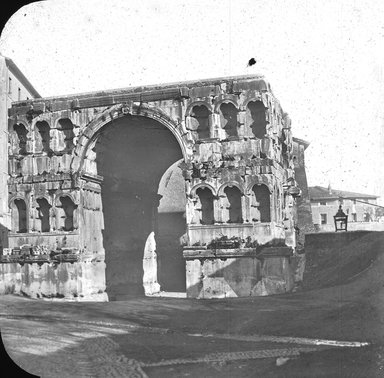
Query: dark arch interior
(66, 126)
(43, 130)
(21, 132)
(21, 209)
(234, 198)
(228, 113)
(256, 118)
(68, 208)
(201, 114)
(43, 214)
(262, 195)
(206, 200)
(132, 154)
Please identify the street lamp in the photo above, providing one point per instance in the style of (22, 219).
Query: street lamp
(341, 220)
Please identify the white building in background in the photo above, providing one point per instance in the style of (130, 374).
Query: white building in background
(14, 86)
(361, 209)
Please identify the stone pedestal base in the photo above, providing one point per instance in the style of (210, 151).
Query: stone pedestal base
(238, 273)
(80, 281)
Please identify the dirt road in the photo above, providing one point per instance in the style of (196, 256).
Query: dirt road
(179, 337)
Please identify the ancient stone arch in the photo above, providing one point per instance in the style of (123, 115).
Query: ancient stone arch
(89, 135)
(99, 168)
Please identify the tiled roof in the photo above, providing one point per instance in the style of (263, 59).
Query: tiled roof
(320, 193)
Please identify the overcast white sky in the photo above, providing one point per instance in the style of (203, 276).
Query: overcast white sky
(324, 60)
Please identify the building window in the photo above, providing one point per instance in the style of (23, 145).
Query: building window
(10, 85)
(354, 217)
(18, 94)
(323, 203)
(323, 218)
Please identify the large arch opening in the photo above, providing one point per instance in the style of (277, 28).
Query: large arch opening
(142, 229)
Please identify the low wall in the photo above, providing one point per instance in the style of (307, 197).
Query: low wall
(316, 241)
(82, 280)
(352, 226)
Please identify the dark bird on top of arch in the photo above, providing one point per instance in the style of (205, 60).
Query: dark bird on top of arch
(251, 62)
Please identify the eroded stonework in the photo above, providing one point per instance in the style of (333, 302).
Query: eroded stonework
(189, 186)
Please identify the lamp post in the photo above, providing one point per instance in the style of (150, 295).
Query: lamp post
(341, 220)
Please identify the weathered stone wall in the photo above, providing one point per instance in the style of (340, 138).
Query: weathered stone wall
(79, 280)
(75, 160)
(218, 275)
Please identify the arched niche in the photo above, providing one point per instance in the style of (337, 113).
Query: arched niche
(228, 119)
(19, 215)
(65, 127)
(200, 118)
(204, 205)
(19, 139)
(42, 136)
(261, 203)
(43, 215)
(231, 205)
(65, 213)
(256, 118)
